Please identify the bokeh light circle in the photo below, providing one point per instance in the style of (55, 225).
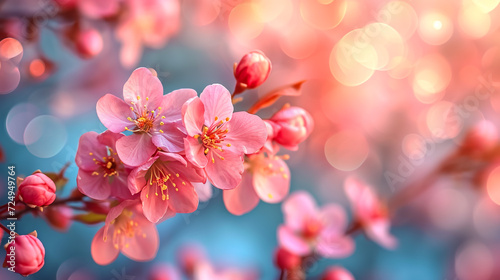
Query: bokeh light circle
(347, 150)
(45, 136)
(435, 28)
(323, 14)
(18, 118)
(267, 11)
(448, 209)
(300, 42)
(243, 22)
(431, 76)
(474, 261)
(486, 6)
(493, 185)
(401, 16)
(473, 22)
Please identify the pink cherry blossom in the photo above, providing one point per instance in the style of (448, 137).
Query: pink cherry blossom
(101, 173)
(29, 254)
(147, 23)
(59, 217)
(154, 118)
(266, 178)
(370, 212)
(126, 230)
(37, 190)
(291, 126)
(164, 182)
(309, 229)
(217, 138)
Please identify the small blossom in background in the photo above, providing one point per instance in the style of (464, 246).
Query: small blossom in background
(309, 229)
(37, 190)
(285, 260)
(88, 43)
(218, 138)
(154, 118)
(29, 254)
(126, 230)
(59, 217)
(101, 172)
(370, 212)
(164, 271)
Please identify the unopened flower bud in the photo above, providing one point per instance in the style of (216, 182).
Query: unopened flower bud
(292, 126)
(89, 43)
(337, 273)
(286, 260)
(37, 190)
(482, 137)
(29, 254)
(253, 70)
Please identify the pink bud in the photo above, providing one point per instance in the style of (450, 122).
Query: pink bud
(89, 43)
(286, 260)
(189, 257)
(482, 137)
(337, 273)
(37, 190)
(29, 254)
(253, 69)
(292, 126)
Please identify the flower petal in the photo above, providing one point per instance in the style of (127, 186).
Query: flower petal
(193, 116)
(143, 247)
(195, 152)
(143, 90)
(172, 103)
(247, 133)
(89, 148)
(153, 206)
(217, 101)
(243, 198)
(298, 207)
(204, 191)
(224, 174)
(109, 138)
(272, 186)
(171, 139)
(293, 243)
(135, 149)
(334, 246)
(93, 185)
(378, 231)
(334, 218)
(136, 179)
(103, 252)
(113, 113)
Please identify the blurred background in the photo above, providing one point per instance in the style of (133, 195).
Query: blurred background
(393, 87)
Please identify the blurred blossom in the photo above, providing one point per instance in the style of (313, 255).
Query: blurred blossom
(59, 217)
(41, 68)
(29, 254)
(91, 8)
(370, 212)
(337, 273)
(89, 43)
(11, 52)
(474, 261)
(292, 125)
(161, 271)
(309, 229)
(286, 260)
(127, 231)
(146, 23)
(37, 190)
(482, 137)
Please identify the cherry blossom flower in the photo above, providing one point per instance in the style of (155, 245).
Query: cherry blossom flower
(265, 178)
(309, 229)
(126, 230)
(370, 212)
(164, 182)
(29, 254)
(154, 118)
(101, 173)
(291, 126)
(37, 190)
(218, 138)
(147, 23)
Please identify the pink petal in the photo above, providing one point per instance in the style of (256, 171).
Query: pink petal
(131, 50)
(193, 116)
(217, 101)
(136, 179)
(247, 133)
(109, 138)
(182, 198)
(363, 199)
(195, 152)
(224, 174)
(113, 113)
(298, 207)
(272, 187)
(135, 149)
(143, 89)
(378, 231)
(204, 191)
(334, 218)
(115, 212)
(98, 8)
(103, 253)
(243, 198)
(119, 187)
(164, 156)
(153, 205)
(332, 245)
(171, 139)
(93, 186)
(143, 247)
(293, 243)
(88, 149)
(172, 103)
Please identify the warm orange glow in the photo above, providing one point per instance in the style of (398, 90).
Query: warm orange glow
(10, 48)
(473, 22)
(37, 68)
(243, 22)
(493, 185)
(346, 150)
(323, 14)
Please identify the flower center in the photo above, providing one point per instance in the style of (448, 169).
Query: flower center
(108, 164)
(160, 177)
(144, 118)
(125, 228)
(312, 228)
(213, 137)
